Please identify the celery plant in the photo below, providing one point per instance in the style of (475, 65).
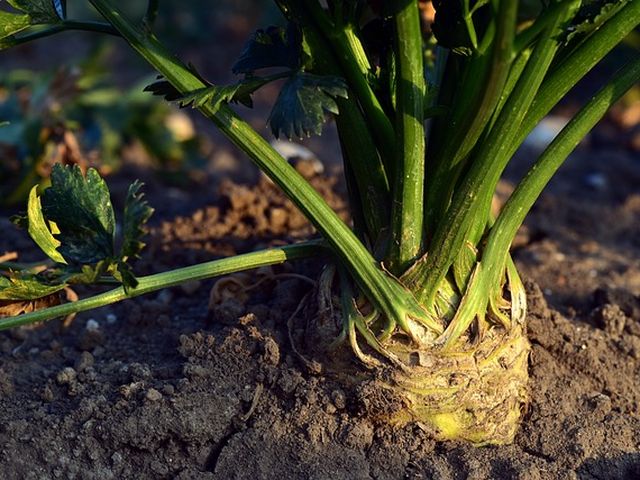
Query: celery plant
(427, 126)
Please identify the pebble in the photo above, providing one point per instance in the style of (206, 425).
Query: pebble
(92, 325)
(84, 361)
(271, 352)
(66, 376)
(168, 389)
(153, 395)
(339, 399)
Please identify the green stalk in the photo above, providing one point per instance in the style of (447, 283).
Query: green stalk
(397, 303)
(528, 190)
(368, 173)
(469, 121)
(470, 203)
(152, 283)
(355, 66)
(485, 285)
(407, 209)
(62, 26)
(566, 75)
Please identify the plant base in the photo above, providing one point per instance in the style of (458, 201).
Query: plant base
(477, 394)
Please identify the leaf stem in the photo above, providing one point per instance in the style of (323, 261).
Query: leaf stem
(528, 190)
(356, 68)
(63, 26)
(564, 76)
(407, 209)
(467, 121)
(172, 278)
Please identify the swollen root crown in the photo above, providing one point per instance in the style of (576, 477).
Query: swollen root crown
(477, 393)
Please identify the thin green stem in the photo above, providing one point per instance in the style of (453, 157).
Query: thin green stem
(172, 278)
(473, 111)
(485, 286)
(366, 175)
(369, 175)
(407, 209)
(65, 25)
(564, 76)
(528, 190)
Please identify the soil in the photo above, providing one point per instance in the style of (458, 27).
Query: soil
(188, 384)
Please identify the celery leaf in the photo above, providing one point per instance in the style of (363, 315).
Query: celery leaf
(81, 209)
(302, 103)
(26, 287)
(136, 214)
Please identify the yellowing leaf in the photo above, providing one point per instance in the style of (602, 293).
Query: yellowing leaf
(39, 231)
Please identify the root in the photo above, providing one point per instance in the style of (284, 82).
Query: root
(311, 365)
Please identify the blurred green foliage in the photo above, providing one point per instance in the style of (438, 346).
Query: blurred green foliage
(75, 115)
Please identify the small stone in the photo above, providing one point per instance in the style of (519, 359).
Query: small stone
(330, 408)
(111, 318)
(84, 361)
(600, 404)
(168, 389)
(47, 394)
(271, 352)
(339, 399)
(92, 325)
(610, 318)
(139, 371)
(153, 395)
(247, 319)
(127, 391)
(165, 297)
(66, 376)
(278, 217)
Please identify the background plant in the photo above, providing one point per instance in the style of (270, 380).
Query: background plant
(424, 145)
(76, 115)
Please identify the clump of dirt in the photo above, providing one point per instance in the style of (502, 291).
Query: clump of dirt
(166, 387)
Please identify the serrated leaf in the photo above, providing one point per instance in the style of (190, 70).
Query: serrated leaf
(124, 274)
(85, 274)
(591, 15)
(449, 27)
(38, 229)
(136, 214)
(39, 11)
(302, 103)
(162, 88)
(28, 287)
(271, 47)
(215, 95)
(81, 208)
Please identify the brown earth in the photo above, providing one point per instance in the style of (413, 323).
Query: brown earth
(163, 387)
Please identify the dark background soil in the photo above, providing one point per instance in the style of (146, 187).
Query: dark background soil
(165, 386)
